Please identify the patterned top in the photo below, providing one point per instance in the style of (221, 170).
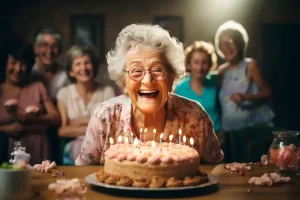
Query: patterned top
(248, 113)
(208, 98)
(112, 116)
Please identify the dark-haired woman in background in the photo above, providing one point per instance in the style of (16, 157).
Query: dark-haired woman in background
(76, 102)
(33, 110)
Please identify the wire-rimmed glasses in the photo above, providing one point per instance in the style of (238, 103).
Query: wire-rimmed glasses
(138, 73)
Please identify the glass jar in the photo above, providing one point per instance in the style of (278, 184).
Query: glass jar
(284, 152)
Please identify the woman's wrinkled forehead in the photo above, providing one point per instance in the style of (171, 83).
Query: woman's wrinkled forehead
(142, 53)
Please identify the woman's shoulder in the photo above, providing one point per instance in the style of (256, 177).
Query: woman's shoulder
(183, 83)
(66, 89)
(114, 105)
(187, 110)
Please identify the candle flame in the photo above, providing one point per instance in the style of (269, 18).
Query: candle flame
(170, 137)
(111, 141)
(141, 130)
(131, 134)
(191, 141)
(154, 131)
(161, 135)
(145, 130)
(179, 132)
(126, 139)
(135, 142)
(120, 139)
(124, 130)
(153, 144)
(184, 138)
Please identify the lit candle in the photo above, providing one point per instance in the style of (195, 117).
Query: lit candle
(184, 139)
(170, 139)
(111, 141)
(179, 136)
(192, 142)
(153, 144)
(135, 143)
(131, 138)
(124, 135)
(125, 142)
(154, 132)
(145, 134)
(119, 139)
(141, 130)
(160, 140)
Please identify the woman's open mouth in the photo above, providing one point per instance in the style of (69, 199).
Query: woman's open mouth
(148, 94)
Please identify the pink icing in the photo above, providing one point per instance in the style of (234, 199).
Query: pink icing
(131, 157)
(141, 158)
(154, 159)
(121, 157)
(145, 153)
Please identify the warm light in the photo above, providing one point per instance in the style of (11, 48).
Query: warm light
(170, 137)
(154, 131)
(135, 142)
(153, 144)
(192, 141)
(145, 130)
(184, 138)
(120, 139)
(126, 139)
(141, 130)
(179, 132)
(124, 130)
(161, 136)
(131, 134)
(111, 141)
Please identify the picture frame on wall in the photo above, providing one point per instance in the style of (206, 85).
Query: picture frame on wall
(88, 30)
(173, 24)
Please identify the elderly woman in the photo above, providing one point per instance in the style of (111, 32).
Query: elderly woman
(76, 102)
(244, 93)
(26, 109)
(145, 62)
(202, 84)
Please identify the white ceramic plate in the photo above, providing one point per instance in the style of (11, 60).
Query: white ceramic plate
(91, 179)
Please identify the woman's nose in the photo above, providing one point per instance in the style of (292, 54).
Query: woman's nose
(147, 78)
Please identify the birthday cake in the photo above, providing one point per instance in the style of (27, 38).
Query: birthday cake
(151, 165)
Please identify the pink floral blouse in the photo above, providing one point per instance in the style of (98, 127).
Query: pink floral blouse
(112, 116)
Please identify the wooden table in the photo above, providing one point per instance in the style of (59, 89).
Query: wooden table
(231, 186)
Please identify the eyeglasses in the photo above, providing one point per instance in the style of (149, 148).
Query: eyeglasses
(138, 73)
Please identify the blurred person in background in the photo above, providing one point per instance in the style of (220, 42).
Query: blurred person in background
(25, 107)
(77, 101)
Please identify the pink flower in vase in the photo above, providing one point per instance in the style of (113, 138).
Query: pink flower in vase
(286, 158)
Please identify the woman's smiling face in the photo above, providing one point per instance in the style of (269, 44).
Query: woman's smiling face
(149, 94)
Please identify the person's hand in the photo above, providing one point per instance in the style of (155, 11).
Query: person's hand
(14, 129)
(237, 98)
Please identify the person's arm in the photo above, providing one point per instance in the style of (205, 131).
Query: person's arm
(255, 74)
(12, 129)
(91, 149)
(210, 148)
(67, 129)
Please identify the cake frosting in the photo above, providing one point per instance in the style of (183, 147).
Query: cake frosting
(148, 165)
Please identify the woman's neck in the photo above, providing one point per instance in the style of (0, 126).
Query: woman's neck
(86, 90)
(197, 84)
(235, 61)
(141, 120)
(12, 86)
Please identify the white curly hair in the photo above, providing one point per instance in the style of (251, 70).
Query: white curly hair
(145, 35)
(238, 33)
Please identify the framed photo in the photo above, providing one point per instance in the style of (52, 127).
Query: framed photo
(174, 24)
(88, 30)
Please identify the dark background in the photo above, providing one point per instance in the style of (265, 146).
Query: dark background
(273, 27)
